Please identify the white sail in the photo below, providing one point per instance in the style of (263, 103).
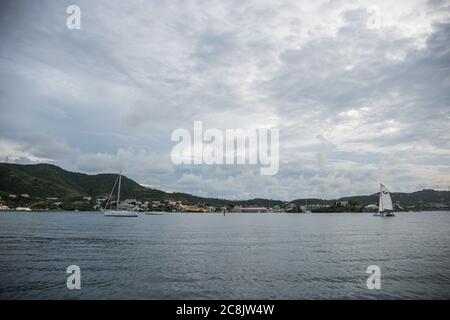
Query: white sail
(385, 203)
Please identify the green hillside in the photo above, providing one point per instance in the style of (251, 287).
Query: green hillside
(35, 180)
(46, 180)
(42, 181)
(417, 198)
(302, 202)
(413, 198)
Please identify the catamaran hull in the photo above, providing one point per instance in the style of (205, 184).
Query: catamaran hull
(384, 214)
(120, 214)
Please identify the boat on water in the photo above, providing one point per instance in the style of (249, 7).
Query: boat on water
(117, 212)
(385, 208)
(306, 207)
(4, 208)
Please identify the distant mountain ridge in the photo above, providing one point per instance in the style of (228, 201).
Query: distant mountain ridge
(47, 180)
(405, 198)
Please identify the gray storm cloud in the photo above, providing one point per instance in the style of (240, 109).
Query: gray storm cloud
(354, 104)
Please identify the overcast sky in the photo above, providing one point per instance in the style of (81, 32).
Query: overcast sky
(354, 105)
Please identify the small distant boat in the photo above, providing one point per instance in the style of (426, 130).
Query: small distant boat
(385, 208)
(4, 208)
(25, 209)
(154, 213)
(117, 212)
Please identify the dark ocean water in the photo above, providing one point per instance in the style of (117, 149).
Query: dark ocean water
(238, 256)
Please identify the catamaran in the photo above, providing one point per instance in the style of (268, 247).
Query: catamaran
(385, 208)
(117, 212)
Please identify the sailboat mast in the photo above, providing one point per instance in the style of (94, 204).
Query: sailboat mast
(118, 190)
(380, 203)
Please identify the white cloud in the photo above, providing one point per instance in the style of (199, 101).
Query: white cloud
(354, 105)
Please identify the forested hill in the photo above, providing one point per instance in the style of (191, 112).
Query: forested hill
(50, 181)
(414, 198)
(46, 180)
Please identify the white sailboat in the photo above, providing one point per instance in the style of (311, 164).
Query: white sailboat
(306, 207)
(385, 208)
(117, 212)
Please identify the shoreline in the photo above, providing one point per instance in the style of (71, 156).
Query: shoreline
(219, 213)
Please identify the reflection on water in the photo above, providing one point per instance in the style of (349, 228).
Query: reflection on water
(237, 256)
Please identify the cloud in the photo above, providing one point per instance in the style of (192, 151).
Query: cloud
(354, 105)
(35, 147)
(133, 162)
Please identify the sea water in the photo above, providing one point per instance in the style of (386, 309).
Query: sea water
(236, 256)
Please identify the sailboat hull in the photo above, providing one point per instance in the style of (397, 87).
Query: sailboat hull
(119, 214)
